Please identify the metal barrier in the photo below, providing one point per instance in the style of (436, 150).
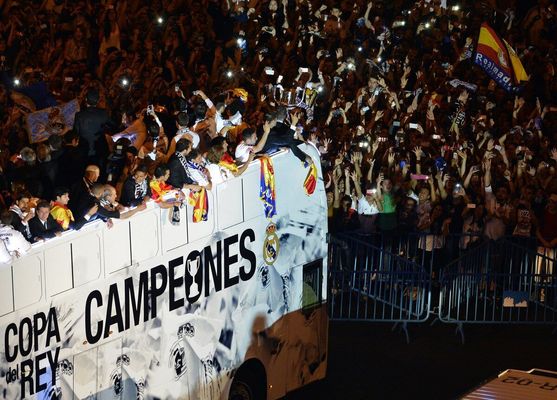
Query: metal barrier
(370, 284)
(501, 282)
(390, 279)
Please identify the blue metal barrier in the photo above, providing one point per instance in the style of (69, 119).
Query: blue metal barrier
(501, 282)
(389, 279)
(371, 284)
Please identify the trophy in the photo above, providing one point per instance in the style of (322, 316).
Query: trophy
(193, 267)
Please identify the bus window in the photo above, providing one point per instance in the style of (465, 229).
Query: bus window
(312, 281)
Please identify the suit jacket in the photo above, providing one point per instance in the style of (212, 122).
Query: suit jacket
(38, 230)
(80, 198)
(128, 197)
(18, 226)
(89, 124)
(178, 176)
(282, 136)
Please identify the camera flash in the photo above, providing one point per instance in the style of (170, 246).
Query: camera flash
(229, 74)
(360, 48)
(320, 89)
(125, 82)
(403, 23)
(427, 25)
(456, 8)
(378, 59)
(16, 82)
(160, 20)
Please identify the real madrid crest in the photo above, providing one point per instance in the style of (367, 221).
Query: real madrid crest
(271, 244)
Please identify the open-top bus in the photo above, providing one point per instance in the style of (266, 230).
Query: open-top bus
(232, 307)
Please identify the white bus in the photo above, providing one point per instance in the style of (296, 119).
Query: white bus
(230, 308)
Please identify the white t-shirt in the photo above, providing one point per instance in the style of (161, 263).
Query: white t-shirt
(219, 174)
(365, 208)
(243, 151)
(197, 176)
(187, 134)
(11, 241)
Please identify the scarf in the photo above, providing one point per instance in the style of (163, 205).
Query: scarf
(140, 189)
(195, 166)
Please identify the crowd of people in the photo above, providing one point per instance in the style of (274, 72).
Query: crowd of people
(413, 136)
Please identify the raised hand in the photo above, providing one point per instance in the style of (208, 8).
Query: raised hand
(391, 158)
(418, 152)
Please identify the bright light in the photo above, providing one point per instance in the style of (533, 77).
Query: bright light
(456, 8)
(360, 48)
(240, 42)
(409, 12)
(242, 68)
(160, 20)
(427, 25)
(229, 74)
(351, 66)
(16, 82)
(403, 23)
(125, 82)
(319, 89)
(379, 59)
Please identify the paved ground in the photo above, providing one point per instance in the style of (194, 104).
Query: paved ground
(369, 361)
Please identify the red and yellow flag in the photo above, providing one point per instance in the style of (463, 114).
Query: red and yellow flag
(311, 180)
(499, 60)
(267, 186)
(227, 162)
(200, 203)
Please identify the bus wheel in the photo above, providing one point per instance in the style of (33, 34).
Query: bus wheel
(248, 384)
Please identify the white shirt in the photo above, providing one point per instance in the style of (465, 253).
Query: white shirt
(11, 241)
(197, 176)
(219, 121)
(190, 135)
(364, 208)
(219, 174)
(243, 151)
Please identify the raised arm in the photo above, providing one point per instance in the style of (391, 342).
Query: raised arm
(266, 129)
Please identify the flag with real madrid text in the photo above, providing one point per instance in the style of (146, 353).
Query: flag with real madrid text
(499, 60)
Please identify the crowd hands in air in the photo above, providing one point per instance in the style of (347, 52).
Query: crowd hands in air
(180, 96)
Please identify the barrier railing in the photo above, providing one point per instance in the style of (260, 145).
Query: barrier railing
(509, 281)
(369, 283)
(500, 282)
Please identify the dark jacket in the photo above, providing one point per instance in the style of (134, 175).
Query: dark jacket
(89, 124)
(80, 198)
(178, 176)
(282, 136)
(38, 230)
(18, 226)
(128, 197)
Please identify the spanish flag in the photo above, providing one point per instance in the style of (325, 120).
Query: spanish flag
(200, 203)
(311, 180)
(228, 162)
(241, 93)
(499, 60)
(267, 186)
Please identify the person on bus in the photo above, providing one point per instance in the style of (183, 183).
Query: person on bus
(250, 144)
(136, 188)
(13, 243)
(63, 215)
(43, 226)
(164, 194)
(221, 165)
